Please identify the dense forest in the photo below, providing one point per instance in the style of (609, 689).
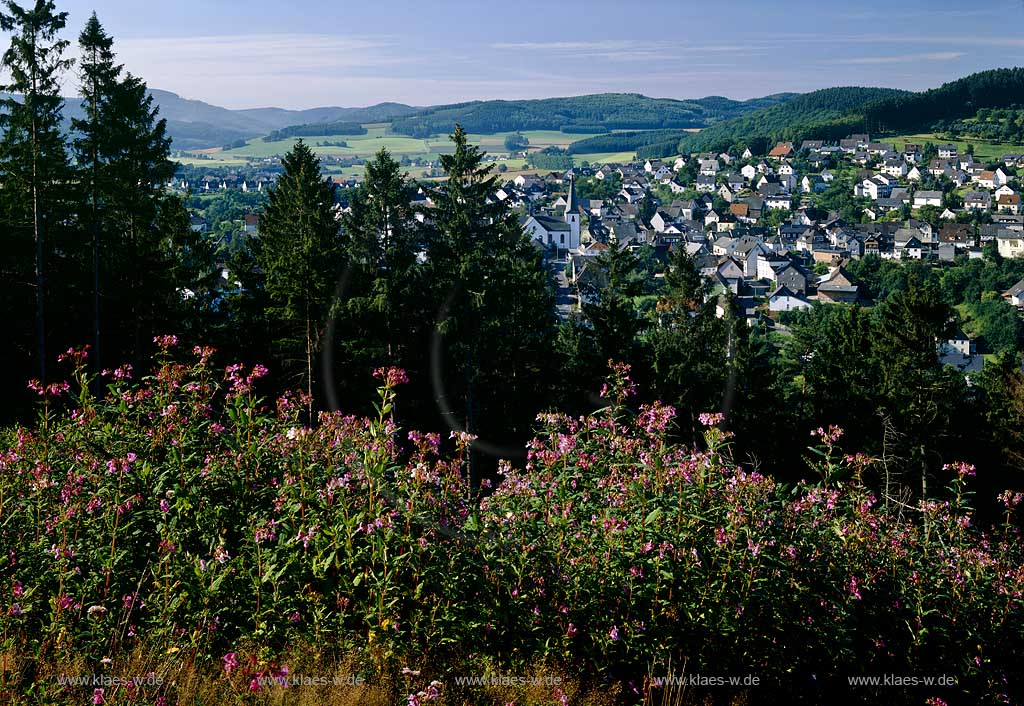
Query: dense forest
(316, 129)
(823, 114)
(609, 111)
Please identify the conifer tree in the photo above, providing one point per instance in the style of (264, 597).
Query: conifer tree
(122, 151)
(494, 298)
(32, 150)
(299, 252)
(98, 77)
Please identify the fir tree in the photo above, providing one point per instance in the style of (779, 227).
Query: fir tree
(98, 78)
(32, 151)
(494, 298)
(298, 250)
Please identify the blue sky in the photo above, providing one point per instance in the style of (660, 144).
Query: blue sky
(302, 54)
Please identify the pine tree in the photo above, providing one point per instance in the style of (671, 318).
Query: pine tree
(299, 252)
(33, 159)
(608, 303)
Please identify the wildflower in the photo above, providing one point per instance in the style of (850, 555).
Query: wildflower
(570, 631)
(230, 661)
(165, 506)
(97, 697)
(391, 376)
(1010, 499)
(828, 436)
(17, 590)
(854, 588)
(614, 634)
(294, 617)
(962, 469)
(711, 419)
(166, 342)
(97, 611)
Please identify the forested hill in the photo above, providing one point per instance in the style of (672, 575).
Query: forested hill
(590, 113)
(833, 113)
(819, 114)
(997, 88)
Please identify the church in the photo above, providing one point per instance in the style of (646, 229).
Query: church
(551, 232)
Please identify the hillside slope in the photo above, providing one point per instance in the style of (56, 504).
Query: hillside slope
(593, 113)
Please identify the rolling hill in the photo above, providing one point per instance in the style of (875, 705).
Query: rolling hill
(589, 113)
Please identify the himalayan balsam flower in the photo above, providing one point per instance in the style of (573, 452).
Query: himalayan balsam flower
(962, 469)
(391, 376)
(614, 634)
(97, 696)
(230, 661)
(711, 419)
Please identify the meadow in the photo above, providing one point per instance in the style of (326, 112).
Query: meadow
(181, 529)
(983, 150)
(377, 137)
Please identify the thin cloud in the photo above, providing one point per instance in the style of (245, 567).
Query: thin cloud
(870, 60)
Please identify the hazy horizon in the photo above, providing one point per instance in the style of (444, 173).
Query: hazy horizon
(357, 54)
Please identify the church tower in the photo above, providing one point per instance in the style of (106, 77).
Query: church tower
(572, 215)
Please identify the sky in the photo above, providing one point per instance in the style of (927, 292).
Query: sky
(303, 54)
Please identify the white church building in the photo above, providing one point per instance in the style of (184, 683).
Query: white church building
(551, 232)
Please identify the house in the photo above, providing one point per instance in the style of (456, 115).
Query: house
(781, 150)
(986, 179)
(809, 145)
(957, 234)
(912, 249)
(813, 183)
(927, 198)
(709, 167)
(780, 201)
(894, 168)
(198, 224)
(793, 277)
(877, 187)
(1008, 203)
(782, 299)
(1010, 243)
(914, 174)
(1015, 294)
(736, 182)
(705, 183)
(251, 223)
(947, 152)
(977, 201)
(748, 172)
(839, 287)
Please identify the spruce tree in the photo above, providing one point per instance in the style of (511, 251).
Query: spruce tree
(494, 303)
(122, 151)
(33, 159)
(98, 78)
(299, 252)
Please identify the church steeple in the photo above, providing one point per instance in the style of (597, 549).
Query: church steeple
(572, 215)
(572, 206)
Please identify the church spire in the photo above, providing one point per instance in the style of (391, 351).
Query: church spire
(571, 206)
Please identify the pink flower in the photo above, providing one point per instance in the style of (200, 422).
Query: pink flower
(962, 469)
(391, 376)
(614, 634)
(230, 661)
(97, 696)
(711, 419)
(166, 342)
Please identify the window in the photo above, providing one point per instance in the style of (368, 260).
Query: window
(562, 237)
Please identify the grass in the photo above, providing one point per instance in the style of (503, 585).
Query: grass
(377, 137)
(983, 150)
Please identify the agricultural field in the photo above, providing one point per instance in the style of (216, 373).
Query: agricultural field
(364, 146)
(983, 150)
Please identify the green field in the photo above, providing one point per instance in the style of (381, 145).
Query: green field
(982, 150)
(363, 146)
